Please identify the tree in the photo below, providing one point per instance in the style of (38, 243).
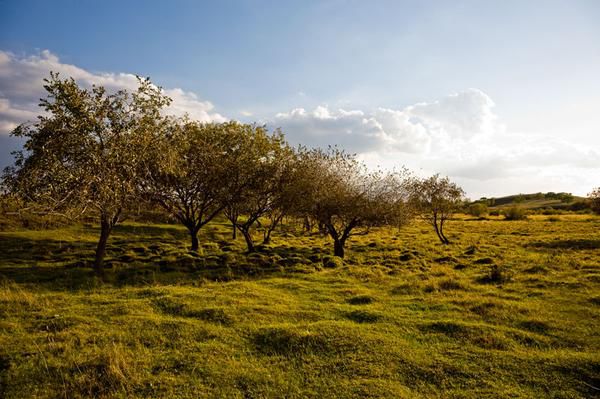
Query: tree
(436, 199)
(594, 198)
(339, 193)
(258, 181)
(186, 171)
(82, 156)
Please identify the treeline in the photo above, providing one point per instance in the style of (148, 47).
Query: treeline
(100, 154)
(103, 154)
(563, 197)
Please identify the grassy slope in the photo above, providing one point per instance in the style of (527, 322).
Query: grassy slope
(405, 316)
(532, 203)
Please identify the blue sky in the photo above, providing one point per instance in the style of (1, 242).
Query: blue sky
(509, 75)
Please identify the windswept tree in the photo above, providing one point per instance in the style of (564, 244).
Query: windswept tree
(83, 154)
(187, 171)
(258, 181)
(436, 199)
(594, 198)
(342, 196)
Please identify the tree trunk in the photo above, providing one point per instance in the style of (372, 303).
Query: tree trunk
(338, 248)
(195, 244)
(234, 233)
(105, 228)
(249, 242)
(442, 238)
(446, 241)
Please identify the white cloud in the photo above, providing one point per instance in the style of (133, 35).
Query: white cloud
(21, 87)
(458, 135)
(413, 129)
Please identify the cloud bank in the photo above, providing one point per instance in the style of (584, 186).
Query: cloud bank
(418, 128)
(458, 135)
(21, 88)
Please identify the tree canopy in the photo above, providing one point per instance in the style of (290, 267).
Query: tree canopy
(83, 154)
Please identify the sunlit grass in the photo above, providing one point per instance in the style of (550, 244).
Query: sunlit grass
(403, 316)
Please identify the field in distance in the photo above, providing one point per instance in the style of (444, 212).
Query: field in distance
(509, 309)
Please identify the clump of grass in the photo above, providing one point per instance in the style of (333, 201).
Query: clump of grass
(109, 373)
(293, 342)
(213, 315)
(363, 316)
(332, 262)
(471, 250)
(595, 300)
(446, 259)
(469, 333)
(170, 306)
(498, 275)
(536, 326)
(361, 300)
(537, 269)
(450, 285)
(407, 289)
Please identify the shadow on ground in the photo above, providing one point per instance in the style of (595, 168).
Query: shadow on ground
(574, 244)
(155, 256)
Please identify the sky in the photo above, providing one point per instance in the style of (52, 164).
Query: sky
(501, 96)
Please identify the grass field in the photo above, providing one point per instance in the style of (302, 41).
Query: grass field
(508, 310)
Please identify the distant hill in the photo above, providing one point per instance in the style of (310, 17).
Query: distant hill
(565, 201)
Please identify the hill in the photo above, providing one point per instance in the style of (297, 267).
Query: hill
(563, 201)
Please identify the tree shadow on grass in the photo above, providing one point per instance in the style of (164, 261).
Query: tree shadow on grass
(573, 244)
(60, 265)
(148, 233)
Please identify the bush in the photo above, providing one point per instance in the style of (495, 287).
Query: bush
(515, 213)
(478, 209)
(494, 213)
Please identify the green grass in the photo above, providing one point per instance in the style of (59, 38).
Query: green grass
(401, 317)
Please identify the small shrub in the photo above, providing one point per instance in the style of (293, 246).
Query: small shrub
(478, 209)
(515, 213)
(499, 274)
